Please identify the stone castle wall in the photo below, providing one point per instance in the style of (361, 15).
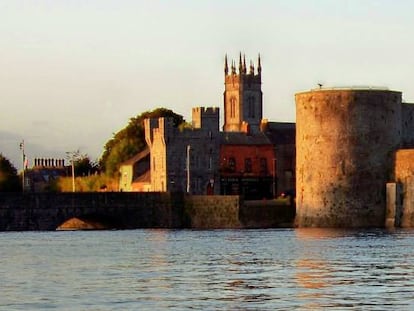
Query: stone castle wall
(168, 147)
(345, 140)
(404, 178)
(408, 125)
(404, 164)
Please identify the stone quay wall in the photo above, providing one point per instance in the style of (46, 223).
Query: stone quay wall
(133, 210)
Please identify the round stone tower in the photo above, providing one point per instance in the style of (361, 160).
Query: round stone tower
(345, 141)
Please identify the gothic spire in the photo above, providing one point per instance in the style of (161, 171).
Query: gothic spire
(226, 66)
(259, 66)
(244, 63)
(233, 67)
(240, 64)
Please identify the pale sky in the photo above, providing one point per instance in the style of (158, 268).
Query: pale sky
(72, 73)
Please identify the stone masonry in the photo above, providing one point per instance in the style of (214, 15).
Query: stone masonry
(242, 97)
(345, 142)
(185, 160)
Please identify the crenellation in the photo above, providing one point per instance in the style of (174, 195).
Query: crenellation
(178, 161)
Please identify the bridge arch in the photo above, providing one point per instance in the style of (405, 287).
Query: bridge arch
(94, 221)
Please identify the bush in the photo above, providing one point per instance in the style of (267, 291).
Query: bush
(9, 181)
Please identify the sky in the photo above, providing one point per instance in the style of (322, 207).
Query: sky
(73, 72)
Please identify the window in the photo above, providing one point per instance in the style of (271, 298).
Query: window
(210, 160)
(251, 106)
(232, 164)
(233, 107)
(263, 166)
(248, 165)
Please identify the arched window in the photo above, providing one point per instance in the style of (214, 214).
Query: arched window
(251, 106)
(233, 102)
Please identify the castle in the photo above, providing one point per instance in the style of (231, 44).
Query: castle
(250, 157)
(354, 162)
(185, 160)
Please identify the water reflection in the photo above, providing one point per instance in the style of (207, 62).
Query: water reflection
(305, 269)
(322, 233)
(312, 274)
(352, 268)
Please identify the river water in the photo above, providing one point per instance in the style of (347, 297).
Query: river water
(280, 269)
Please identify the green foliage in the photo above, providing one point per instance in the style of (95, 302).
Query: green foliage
(92, 183)
(9, 181)
(84, 166)
(131, 140)
(185, 125)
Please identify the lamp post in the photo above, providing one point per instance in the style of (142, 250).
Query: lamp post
(71, 155)
(188, 168)
(73, 175)
(23, 163)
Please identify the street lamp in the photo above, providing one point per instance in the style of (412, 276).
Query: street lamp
(71, 155)
(188, 168)
(73, 176)
(23, 162)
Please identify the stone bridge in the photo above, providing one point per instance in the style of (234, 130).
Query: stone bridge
(47, 211)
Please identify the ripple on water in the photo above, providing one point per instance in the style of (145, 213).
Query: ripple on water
(214, 270)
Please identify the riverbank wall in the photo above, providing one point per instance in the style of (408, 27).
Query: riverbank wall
(133, 210)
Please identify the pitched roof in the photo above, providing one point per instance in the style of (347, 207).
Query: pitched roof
(139, 156)
(281, 133)
(146, 177)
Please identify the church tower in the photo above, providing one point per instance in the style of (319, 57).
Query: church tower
(243, 106)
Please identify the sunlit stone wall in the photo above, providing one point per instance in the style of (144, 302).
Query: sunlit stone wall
(404, 175)
(345, 140)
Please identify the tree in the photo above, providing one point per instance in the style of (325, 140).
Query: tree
(84, 166)
(131, 139)
(9, 180)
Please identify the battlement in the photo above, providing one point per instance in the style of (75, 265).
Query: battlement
(158, 126)
(206, 110)
(205, 118)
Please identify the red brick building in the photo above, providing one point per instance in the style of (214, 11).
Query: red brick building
(247, 165)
